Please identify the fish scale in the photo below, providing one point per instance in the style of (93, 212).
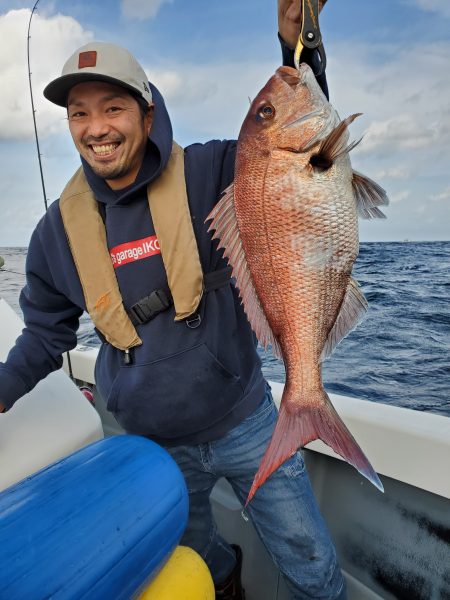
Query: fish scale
(288, 226)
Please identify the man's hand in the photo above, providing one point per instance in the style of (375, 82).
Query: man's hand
(2, 408)
(290, 19)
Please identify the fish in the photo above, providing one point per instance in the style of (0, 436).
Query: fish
(288, 225)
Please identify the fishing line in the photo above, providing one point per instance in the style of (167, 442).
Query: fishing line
(10, 271)
(32, 107)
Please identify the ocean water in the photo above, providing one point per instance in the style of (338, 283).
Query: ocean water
(399, 355)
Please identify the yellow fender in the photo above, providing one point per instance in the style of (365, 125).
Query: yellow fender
(185, 576)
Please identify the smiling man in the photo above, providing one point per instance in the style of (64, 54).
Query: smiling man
(178, 362)
(109, 130)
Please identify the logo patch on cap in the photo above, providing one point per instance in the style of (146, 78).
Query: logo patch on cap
(87, 59)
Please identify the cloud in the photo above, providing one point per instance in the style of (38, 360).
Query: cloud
(142, 9)
(443, 196)
(401, 131)
(24, 216)
(53, 39)
(400, 196)
(405, 105)
(394, 173)
(194, 87)
(440, 7)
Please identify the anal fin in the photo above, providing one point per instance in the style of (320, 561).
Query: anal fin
(351, 313)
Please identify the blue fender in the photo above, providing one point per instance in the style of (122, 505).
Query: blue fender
(97, 524)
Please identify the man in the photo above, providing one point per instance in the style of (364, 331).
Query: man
(178, 361)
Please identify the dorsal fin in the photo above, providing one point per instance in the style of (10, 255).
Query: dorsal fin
(369, 195)
(224, 222)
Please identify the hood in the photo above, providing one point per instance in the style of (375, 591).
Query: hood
(159, 148)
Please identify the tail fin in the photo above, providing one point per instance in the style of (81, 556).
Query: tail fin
(297, 427)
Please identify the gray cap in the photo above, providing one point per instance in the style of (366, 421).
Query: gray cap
(99, 61)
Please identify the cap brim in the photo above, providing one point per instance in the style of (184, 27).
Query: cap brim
(58, 90)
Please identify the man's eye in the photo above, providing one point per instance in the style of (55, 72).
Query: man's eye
(113, 109)
(77, 115)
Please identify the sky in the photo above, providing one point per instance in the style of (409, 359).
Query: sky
(388, 59)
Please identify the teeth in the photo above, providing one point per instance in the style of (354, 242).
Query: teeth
(104, 149)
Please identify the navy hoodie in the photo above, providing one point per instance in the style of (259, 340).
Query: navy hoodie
(184, 385)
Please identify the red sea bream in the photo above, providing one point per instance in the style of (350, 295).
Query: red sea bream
(288, 226)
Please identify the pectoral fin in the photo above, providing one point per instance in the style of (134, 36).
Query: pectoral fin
(369, 195)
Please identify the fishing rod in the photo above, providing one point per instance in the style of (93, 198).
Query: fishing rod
(37, 142)
(32, 106)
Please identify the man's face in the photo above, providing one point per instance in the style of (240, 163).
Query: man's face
(109, 130)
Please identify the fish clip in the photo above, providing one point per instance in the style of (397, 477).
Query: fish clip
(310, 36)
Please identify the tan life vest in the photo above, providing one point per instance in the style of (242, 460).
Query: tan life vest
(86, 234)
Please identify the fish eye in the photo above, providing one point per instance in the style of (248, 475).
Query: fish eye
(267, 111)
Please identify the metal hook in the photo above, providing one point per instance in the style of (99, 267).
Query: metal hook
(310, 36)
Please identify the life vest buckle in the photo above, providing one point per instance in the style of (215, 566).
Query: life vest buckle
(193, 321)
(147, 308)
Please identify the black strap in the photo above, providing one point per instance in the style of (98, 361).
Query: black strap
(216, 279)
(160, 300)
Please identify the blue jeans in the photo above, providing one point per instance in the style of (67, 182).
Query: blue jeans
(284, 511)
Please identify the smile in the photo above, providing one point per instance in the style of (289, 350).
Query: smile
(104, 149)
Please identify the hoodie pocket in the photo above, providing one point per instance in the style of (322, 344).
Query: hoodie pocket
(174, 396)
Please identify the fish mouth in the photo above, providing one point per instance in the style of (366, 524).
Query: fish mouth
(290, 76)
(321, 109)
(303, 76)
